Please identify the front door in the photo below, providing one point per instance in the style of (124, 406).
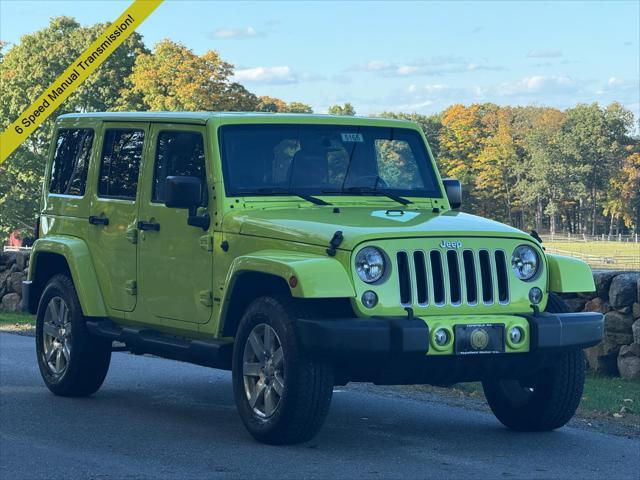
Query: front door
(175, 261)
(114, 212)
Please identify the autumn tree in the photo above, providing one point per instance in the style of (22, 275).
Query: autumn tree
(431, 126)
(270, 104)
(346, 109)
(174, 78)
(623, 196)
(26, 69)
(298, 107)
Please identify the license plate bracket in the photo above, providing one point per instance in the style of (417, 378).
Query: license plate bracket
(479, 338)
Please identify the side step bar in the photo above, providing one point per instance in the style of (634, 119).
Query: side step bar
(208, 353)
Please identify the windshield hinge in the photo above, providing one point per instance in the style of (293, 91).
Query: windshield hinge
(335, 242)
(206, 243)
(206, 298)
(131, 287)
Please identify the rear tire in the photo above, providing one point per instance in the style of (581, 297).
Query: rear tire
(546, 400)
(72, 363)
(283, 397)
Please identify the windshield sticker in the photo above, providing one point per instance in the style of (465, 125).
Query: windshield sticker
(352, 137)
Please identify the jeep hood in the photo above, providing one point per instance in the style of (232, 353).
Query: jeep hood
(316, 225)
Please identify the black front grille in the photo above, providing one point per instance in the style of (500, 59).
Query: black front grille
(452, 277)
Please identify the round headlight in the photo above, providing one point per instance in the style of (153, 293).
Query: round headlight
(370, 264)
(525, 262)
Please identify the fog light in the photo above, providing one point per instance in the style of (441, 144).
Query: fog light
(516, 335)
(369, 299)
(441, 337)
(535, 296)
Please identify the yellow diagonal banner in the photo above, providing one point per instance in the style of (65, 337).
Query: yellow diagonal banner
(56, 93)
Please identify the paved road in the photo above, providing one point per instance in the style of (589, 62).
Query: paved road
(157, 418)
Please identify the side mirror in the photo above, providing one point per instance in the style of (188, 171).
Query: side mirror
(182, 192)
(453, 190)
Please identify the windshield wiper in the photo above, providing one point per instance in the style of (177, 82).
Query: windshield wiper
(308, 198)
(370, 191)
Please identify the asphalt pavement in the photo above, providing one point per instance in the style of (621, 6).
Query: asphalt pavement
(156, 418)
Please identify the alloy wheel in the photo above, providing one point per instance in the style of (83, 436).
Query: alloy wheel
(263, 370)
(56, 336)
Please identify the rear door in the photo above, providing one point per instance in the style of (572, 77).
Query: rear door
(114, 211)
(175, 261)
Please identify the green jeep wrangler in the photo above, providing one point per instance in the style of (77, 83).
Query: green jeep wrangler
(300, 252)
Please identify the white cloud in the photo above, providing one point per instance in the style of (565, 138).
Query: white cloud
(275, 75)
(377, 65)
(538, 84)
(245, 32)
(434, 66)
(544, 53)
(281, 74)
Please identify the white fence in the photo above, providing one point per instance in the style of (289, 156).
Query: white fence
(580, 237)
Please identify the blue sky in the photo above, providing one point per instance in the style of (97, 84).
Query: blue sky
(413, 56)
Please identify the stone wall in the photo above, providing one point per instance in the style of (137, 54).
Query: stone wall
(13, 269)
(617, 295)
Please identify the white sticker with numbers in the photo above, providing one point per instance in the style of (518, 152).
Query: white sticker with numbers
(352, 137)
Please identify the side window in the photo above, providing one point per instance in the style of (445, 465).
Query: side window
(397, 166)
(178, 154)
(71, 161)
(121, 154)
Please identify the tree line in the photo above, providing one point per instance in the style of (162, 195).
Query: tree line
(576, 170)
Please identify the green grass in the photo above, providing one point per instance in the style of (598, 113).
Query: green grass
(11, 318)
(603, 396)
(609, 395)
(609, 255)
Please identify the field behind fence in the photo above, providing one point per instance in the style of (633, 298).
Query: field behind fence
(601, 251)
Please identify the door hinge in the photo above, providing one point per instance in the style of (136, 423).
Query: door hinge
(132, 235)
(131, 286)
(206, 243)
(206, 298)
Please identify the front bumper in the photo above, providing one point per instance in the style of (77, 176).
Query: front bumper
(395, 351)
(351, 337)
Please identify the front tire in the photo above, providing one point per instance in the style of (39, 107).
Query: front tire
(72, 363)
(282, 394)
(546, 400)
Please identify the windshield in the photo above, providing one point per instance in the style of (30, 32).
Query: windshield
(325, 160)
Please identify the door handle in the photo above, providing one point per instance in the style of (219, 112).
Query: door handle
(93, 220)
(142, 225)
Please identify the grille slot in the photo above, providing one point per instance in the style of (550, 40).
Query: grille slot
(503, 280)
(404, 277)
(486, 277)
(470, 277)
(420, 266)
(437, 275)
(455, 289)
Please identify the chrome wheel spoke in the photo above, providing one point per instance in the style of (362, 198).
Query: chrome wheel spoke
(257, 392)
(62, 315)
(269, 402)
(278, 358)
(51, 330)
(58, 359)
(251, 369)
(257, 346)
(268, 340)
(52, 349)
(278, 384)
(66, 352)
